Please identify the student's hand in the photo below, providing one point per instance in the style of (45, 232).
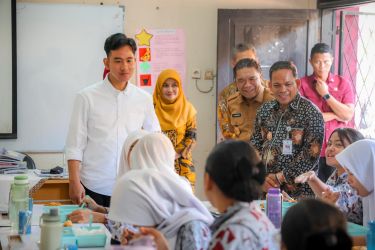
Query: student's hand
(83, 216)
(76, 192)
(91, 204)
(127, 235)
(160, 240)
(321, 87)
(270, 182)
(330, 196)
(305, 177)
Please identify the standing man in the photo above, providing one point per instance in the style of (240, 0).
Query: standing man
(332, 94)
(103, 116)
(243, 104)
(288, 133)
(241, 51)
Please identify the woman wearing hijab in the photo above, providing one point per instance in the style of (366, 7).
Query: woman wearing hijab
(152, 198)
(232, 181)
(129, 143)
(98, 212)
(359, 161)
(152, 152)
(177, 118)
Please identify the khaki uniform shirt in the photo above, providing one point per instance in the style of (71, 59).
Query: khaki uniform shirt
(237, 120)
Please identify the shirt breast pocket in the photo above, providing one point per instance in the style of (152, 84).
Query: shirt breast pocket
(236, 119)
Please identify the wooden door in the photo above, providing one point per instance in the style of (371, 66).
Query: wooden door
(276, 35)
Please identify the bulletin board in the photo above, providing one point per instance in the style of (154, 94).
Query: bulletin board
(59, 52)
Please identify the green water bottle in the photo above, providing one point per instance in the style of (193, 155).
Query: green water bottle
(18, 200)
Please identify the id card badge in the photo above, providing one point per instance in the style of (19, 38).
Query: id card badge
(287, 147)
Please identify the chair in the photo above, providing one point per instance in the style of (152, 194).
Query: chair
(29, 162)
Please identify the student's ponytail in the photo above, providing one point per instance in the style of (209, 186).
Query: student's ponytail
(236, 170)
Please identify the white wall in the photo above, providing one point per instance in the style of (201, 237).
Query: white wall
(199, 20)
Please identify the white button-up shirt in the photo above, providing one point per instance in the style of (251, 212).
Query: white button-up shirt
(101, 120)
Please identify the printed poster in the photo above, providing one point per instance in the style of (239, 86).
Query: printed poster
(159, 49)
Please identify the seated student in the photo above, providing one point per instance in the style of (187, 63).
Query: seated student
(159, 199)
(128, 146)
(337, 190)
(152, 151)
(359, 161)
(98, 211)
(233, 179)
(314, 224)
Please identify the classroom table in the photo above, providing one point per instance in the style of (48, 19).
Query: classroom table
(30, 241)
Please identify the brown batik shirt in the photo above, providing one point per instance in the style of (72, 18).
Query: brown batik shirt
(303, 124)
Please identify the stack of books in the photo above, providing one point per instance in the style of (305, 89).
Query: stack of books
(11, 162)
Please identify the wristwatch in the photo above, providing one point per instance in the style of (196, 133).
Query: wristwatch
(326, 97)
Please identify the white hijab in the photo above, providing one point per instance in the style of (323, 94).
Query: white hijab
(129, 142)
(359, 158)
(153, 151)
(150, 197)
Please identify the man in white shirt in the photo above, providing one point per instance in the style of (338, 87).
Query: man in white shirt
(103, 116)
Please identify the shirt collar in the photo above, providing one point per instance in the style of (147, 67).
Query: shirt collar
(259, 98)
(115, 91)
(294, 104)
(231, 211)
(330, 79)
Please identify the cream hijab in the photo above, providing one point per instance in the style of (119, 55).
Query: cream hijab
(153, 151)
(359, 158)
(150, 197)
(128, 144)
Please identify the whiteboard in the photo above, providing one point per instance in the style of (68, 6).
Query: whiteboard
(60, 51)
(6, 68)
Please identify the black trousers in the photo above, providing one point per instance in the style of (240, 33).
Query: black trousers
(101, 199)
(324, 171)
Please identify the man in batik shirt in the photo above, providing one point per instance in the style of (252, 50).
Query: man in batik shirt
(288, 133)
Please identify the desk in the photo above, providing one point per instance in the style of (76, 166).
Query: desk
(52, 190)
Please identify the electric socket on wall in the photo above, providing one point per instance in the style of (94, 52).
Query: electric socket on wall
(196, 74)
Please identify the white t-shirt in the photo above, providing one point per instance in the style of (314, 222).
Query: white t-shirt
(101, 120)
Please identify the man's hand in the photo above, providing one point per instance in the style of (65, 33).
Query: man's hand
(321, 87)
(76, 192)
